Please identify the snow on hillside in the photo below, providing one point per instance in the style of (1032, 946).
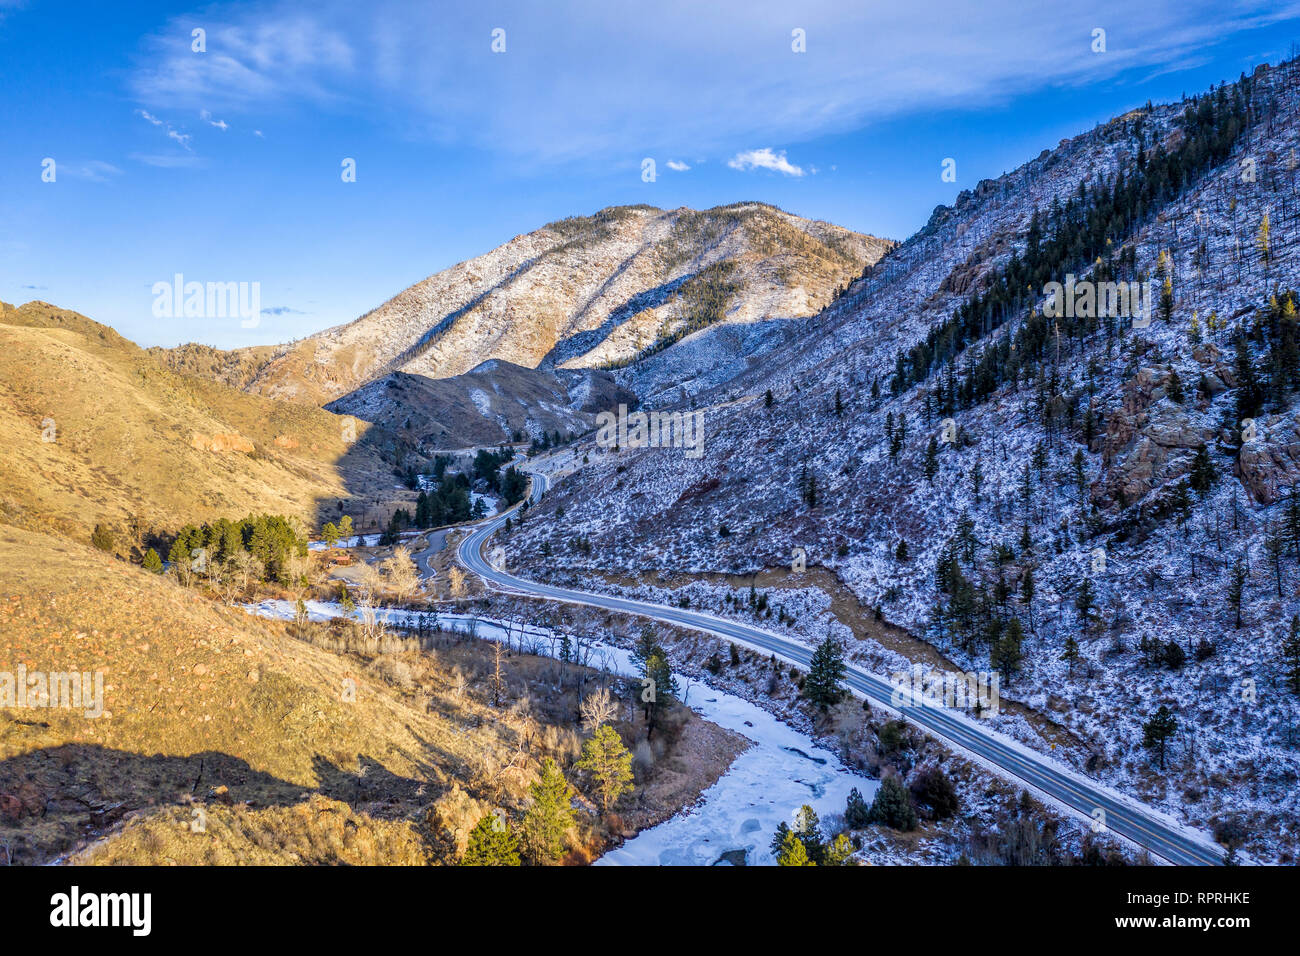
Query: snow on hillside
(1081, 463)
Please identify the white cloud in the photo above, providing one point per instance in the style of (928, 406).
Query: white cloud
(733, 79)
(168, 160)
(93, 170)
(764, 158)
(207, 118)
(677, 166)
(182, 138)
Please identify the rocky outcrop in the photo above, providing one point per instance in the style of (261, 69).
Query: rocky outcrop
(221, 443)
(1269, 464)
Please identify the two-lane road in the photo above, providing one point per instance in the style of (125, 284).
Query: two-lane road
(1098, 804)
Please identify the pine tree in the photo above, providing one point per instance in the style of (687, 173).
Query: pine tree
(102, 538)
(825, 672)
(856, 812)
(1006, 654)
(1175, 387)
(767, 399)
(1165, 277)
(1274, 548)
(778, 839)
(152, 562)
(1203, 474)
(1071, 653)
(1085, 602)
(839, 404)
(931, 467)
(548, 819)
(1159, 729)
(808, 828)
(658, 681)
(838, 853)
(609, 763)
(492, 842)
(1080, 475)
(1250, 394)
(1237, 589)
(893, 805)
(1027, 593)
(1291, 655)
(792, 852)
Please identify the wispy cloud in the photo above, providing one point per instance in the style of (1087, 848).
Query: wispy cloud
(207, 118)
(764, 158)
(172, 133)
(168, 160)
(723, 75)
(677, 166)
(92, 170)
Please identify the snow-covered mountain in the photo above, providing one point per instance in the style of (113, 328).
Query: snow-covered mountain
(956, 460)
(585, 292)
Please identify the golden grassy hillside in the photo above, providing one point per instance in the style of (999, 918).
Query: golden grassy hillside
(209, 709)
(133, 438)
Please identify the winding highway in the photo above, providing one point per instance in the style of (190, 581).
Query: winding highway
(1095, 803)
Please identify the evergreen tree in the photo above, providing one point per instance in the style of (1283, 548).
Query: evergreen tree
(808, 828)
(1080, 476)
(1250, 394)
(102, 538)
(1085, 603)
(822, 686)
(1006, 654)
(1164, 276)
(767, 399)
(1027, 593)
(792, 852)
(778, 839)
(893, 805)
(1274, 548)
(1071, 653)
(492, 842)
(1291, 656)
(1203, 474)
(1174, 387)
(931, 467)
(152, 562)
(1236, 589)
(1159, 729)
(838, 852)
(609, 763)
(549, 818)
(856, 812)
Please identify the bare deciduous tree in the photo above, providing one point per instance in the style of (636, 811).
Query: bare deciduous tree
(598, 708)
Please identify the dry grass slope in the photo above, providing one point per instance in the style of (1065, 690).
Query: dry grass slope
(131, 437)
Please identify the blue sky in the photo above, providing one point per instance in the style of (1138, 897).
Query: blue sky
(224, 165)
